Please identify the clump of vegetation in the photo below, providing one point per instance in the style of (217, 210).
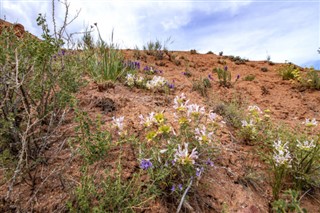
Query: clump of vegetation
(249, 77)
(311, 80)
(224, 77)
(221, 53)
(289, 71)
(193, 51)
(157, 49)
(209, 52)
(37, 82)
(237, 60)
(290, 204)
(264, 69)
(201, 86)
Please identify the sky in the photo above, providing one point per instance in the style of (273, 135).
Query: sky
(252, 29)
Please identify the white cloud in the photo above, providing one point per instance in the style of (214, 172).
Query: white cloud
(285, 31)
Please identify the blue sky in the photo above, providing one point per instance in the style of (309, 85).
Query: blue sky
(253, 29)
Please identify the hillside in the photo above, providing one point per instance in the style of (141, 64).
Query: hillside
(237, 177)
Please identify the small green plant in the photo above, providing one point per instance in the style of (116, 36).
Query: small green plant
(201, 86)
(224, 76)
(249, 77)
(290, 204)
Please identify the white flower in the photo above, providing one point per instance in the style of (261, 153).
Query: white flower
(311, 123)
(212, 116)
(130, 79)
(156, 82)
(306, 145)
(182, 156)
(180, 102)
(118, 123)
(195, 110)
(246, 124)
(281, 154)
(139, 80)
(254, 108)
(149, 120)
(202, 136)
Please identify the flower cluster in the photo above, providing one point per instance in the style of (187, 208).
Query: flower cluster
(183, 157)
(157, 82)
(151, 70)
(145, 164)
(202, 135)
(310, 123)
(132, 65)
(130, 79)
(281, 154)
(306, 145)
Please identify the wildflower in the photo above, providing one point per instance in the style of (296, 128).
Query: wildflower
(254, 109)
(180, 187)
(246, 124)
(183, 157)
(310, 123)
(156, 82)
(202, 136)
(281, 154)
(212, 116)
(195, 110)
(118, 123)
(225, 68)
(139, 80)
(145, 164)
(306, 145)
(173, 188)
(164, 129)
(149, 120)
(209, 163)
(238, 76)
(199, 171)
(130, 79)
(151, 135)
(159, 118)
(210, 77)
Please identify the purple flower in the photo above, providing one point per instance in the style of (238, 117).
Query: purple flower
(225, 68)
(210, 77)
(173, 188)
(199, 171)
(210, 163)
(180, 187)
(146, 68)
(173, 162)
(145, 164)
(238, 76)
(171, 86)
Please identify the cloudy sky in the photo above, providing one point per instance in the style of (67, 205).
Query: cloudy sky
(253, 29)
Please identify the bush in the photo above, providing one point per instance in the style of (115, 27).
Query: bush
(201, 86)
(249, 77)
(37, 81)
(312, 79)
(289, 71)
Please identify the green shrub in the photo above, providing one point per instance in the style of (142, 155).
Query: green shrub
(224, 76)
(201, 86)
(312, 79)
(37, 79)
(289, 71)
